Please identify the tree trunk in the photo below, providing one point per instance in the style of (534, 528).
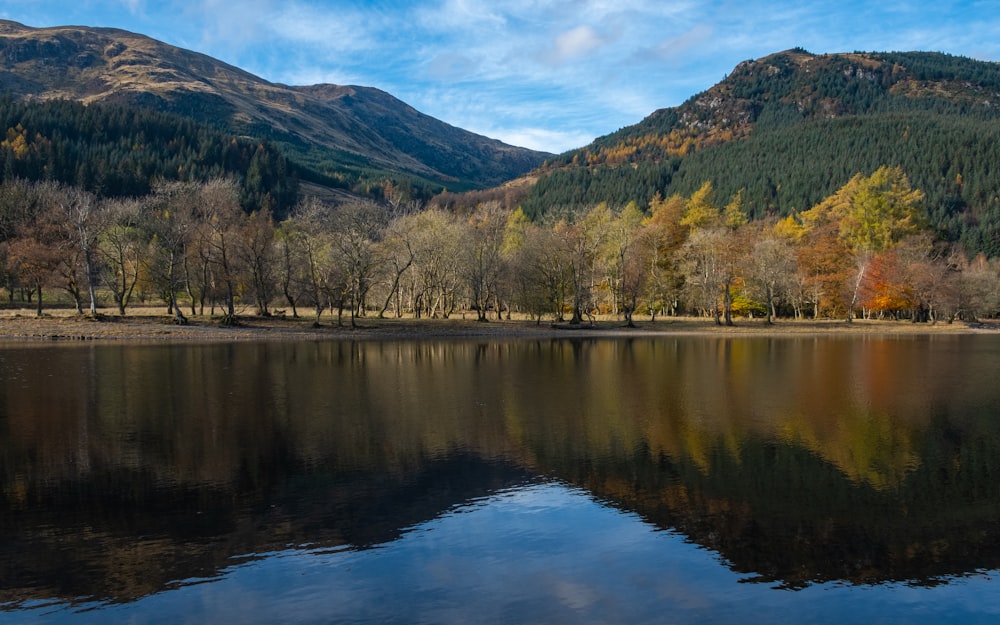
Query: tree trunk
(394, 291)
(179, 317)
(856, 290)
(291, 302)
(769, 294)
(91, 288)
(727, 303)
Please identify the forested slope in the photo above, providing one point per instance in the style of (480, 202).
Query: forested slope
(116, 151)
(791, 128)
(351, 136)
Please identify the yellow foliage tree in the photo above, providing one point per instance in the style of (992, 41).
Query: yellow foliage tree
(871, 214)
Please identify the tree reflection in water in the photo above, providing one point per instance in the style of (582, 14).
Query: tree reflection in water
(797, 461)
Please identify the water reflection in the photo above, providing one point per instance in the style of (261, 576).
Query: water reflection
(799, 461)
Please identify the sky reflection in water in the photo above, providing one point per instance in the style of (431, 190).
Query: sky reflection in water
(566, 482)
(515, 558)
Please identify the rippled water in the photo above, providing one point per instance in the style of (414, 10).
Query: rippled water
(689, 480)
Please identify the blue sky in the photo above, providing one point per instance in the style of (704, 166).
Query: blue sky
(546, 74)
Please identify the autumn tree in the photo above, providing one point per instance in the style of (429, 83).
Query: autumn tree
(540, 271)
(715, 251)
(872, 213)
(662, 236)
(734, 251)
(700, 210)
(771, 267)
(20, 204)
(840, 236)
(933, 271)
(580, 243)
(704, 273)
(399, 253)
(823, 266)
(32, 255)
(887, 290)
(625, 261)
(980, 287)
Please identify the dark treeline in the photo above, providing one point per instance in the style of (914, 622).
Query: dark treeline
(116, 151)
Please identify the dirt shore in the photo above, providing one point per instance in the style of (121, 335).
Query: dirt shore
(153, 325)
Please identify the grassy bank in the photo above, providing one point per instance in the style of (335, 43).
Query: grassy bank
(152, 324)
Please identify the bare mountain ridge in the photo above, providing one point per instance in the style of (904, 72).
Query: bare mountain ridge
(346, 126)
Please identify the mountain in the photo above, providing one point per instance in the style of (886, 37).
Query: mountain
(343, 133)
(791, 128)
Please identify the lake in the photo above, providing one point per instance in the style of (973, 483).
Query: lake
(807, 479)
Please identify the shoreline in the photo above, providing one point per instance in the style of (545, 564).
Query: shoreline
(153, 325)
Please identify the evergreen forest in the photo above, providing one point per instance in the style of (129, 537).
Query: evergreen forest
(116, 151)
(791, 129)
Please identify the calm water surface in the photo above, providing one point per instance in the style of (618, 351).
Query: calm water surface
(688, 480)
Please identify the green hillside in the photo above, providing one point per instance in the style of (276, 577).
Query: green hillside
(791, 128)
(116, 151)
(343, 136)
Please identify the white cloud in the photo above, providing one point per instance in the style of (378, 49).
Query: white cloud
(541, 139)
(327, 30)
(573, 44)
(448, 16)
(549, 74)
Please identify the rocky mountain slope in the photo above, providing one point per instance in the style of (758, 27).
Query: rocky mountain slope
(336, 130)
(791, 128)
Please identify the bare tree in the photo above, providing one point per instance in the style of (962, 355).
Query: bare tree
(220, 217)
(435, 278)
(121, 248)
(400, 253)
(306, 256)
(356, 229)
(81, 220)
(482, 261)
(170, 217)
(256, 251)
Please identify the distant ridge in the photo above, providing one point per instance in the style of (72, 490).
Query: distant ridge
(343, 132)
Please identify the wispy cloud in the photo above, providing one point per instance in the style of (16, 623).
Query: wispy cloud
(134, 7)
(573, 44)
(548, 74)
